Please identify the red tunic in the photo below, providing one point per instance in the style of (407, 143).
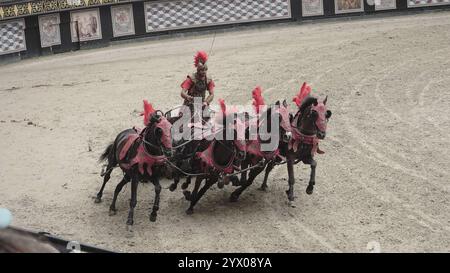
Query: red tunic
(188, 84)
(197, 88)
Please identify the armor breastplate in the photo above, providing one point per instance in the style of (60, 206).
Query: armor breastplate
(198, 89)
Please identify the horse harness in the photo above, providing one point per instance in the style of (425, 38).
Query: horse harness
(142, 157)
(299, 138)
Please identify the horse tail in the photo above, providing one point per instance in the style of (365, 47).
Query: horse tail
(108, 151)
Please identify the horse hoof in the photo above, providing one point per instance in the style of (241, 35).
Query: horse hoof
(184, 186)
(291, 204)
(130, 232)
(220, 185)
(98, 200)
(189, 211)
(187, 195)
(262, 188)
(173, 187)
(290, 196)
(153, 217)
(309, 190)
(233, 198)
(112, 212)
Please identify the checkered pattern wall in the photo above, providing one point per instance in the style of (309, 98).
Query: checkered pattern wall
(164, 15)
(417, 3)
(12, 36)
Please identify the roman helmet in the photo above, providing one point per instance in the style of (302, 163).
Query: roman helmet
(200, 62)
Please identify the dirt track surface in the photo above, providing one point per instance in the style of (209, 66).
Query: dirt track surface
(384, 176)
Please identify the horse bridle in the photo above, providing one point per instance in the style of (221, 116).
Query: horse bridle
(155, 119)
(316, 128)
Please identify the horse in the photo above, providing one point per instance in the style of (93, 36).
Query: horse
(140, 155)
(184, 150)
(309, 125)
(256, 157)
(217, 159)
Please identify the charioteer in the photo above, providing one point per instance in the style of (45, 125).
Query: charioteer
(197, 84)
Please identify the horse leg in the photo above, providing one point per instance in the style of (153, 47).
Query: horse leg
(112, 208)
(192, 196)
(269, 168)
(106, 177)
(290, 167)
(133, 202)
(221, 183)
(187, 194)
(198, 196)
(243, 180)
(185, 185)
(234, 180)
(312, 177)
(176, 180)
(253, 174)
(156, 202)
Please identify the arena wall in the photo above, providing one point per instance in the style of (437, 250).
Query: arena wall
(43, 27)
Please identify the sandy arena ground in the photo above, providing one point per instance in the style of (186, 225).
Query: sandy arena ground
(384, 177)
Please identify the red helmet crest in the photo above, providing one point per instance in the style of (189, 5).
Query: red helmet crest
(200, 57)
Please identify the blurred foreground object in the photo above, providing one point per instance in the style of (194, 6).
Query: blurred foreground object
(5, 218)
(14, 241)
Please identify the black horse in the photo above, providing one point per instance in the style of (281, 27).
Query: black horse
(258, 160)
(212, 159)
(309, 126)
(185, 149)
(140, 155)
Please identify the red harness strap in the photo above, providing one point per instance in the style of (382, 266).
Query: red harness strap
(207, 158)
(254, 148)
(298, 138)
(142, 157)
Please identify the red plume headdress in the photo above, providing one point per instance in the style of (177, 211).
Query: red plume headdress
(223, 111)
(222, 106)
(258, 100)
(200, 57)
(148, 110)
(226, 111)
(302, 94)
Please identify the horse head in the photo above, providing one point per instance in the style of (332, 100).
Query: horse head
(275, 122)
(157, 134)
(323, 115)
(314, 117)
(234, 129)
